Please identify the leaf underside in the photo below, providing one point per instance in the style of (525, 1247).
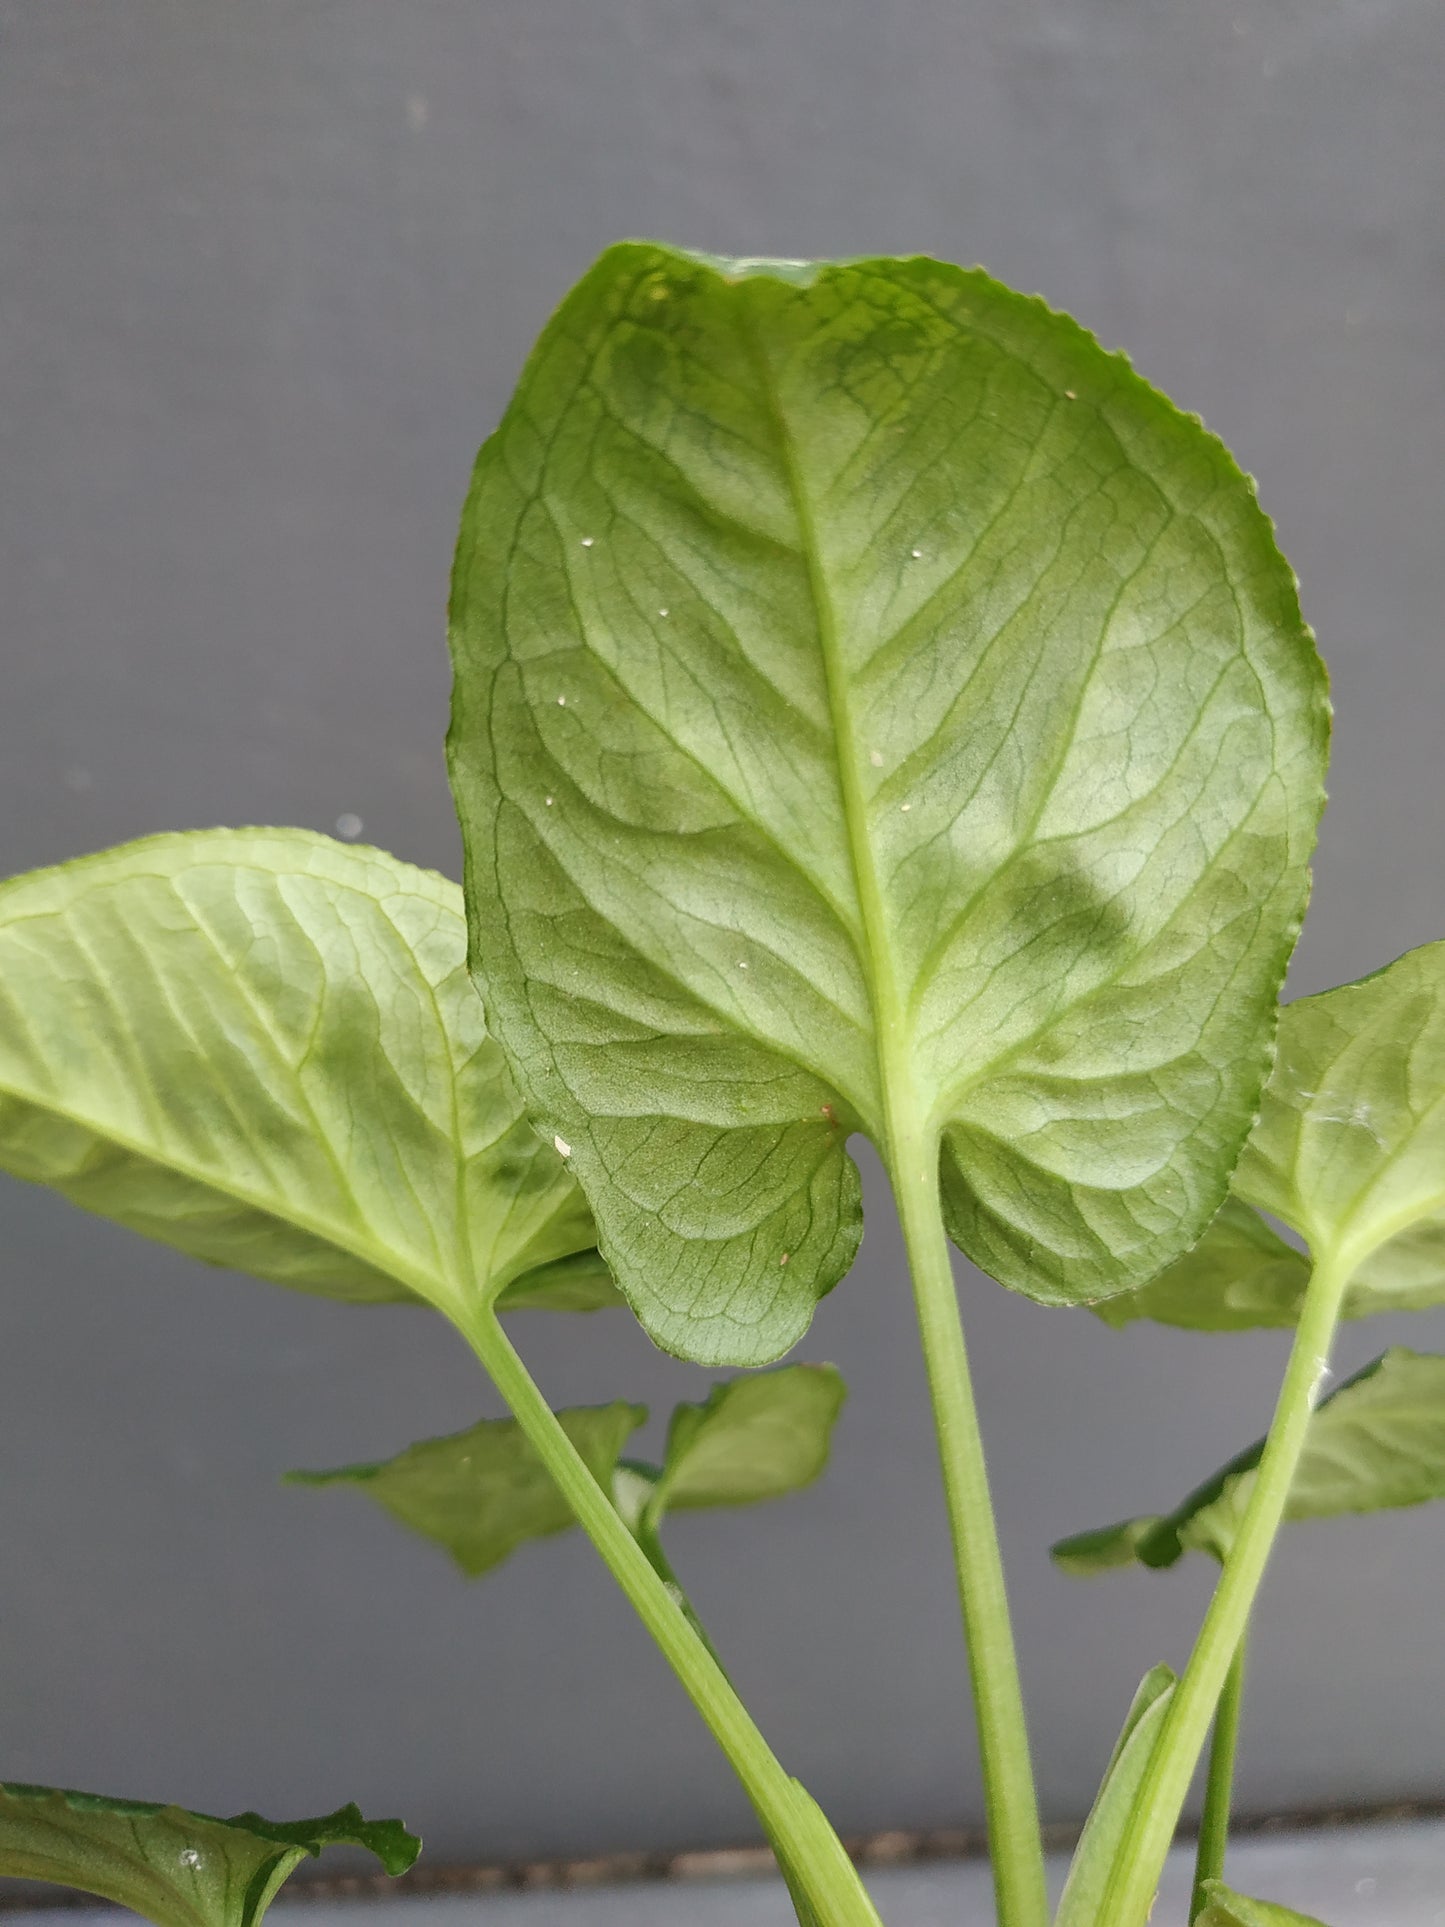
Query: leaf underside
(1349, 1150)
(177, 1868)
(1350, 1144)
(1375, 1444)
(262, 1047)
(484, 1492)
(860, 674)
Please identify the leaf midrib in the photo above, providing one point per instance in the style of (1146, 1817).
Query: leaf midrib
(380, 1259)
(877, 961)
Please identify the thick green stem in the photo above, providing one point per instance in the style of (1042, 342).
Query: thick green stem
(1015, 1838)
(1142, 1852)
(1219, 1783)
(812, 1856)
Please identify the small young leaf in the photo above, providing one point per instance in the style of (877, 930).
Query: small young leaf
(579, 1283)
(1094, 1856)
(178, 1869)
(1350, 1144)
(755, 1437)
(1229, 1909)
(1376, 1443)
(861, 675)
(484, 1492)
(262, 1046)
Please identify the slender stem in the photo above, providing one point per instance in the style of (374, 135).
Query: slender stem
(1015, 1838)
(1219, 1785)
(813, 1859)
(1142, 1852)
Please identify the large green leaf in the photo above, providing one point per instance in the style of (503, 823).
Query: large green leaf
(1350, 1144)
(1093, 1858)
(262, 1046)
(176, 1868)
(876, 709)
(1377, 1442)
(1229, 1909)
(484, 1492)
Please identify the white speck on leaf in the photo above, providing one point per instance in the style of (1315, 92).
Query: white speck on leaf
(1070, 395)
(564, 1149)
(876, 758)
(587, 541)
(917, 554)
(905, 807)
(741, 964)
(784, 1259)
(549, 802)
(662, 612)
(561, 702)
(191, 1857)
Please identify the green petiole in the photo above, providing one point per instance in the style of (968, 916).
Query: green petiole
(1219, 1782)
(1140, 1860)
(812, 1857)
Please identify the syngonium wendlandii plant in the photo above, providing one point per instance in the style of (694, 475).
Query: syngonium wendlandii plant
(877, 711)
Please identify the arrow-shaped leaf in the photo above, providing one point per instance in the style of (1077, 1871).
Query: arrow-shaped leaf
(484, 1492)
(876, 709)
(178, 1869)
(262, 1046)
(1377, 1442)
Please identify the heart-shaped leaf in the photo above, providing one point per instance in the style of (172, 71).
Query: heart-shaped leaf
(876, 709)
(1093, 1858)
(262, 1046)
(484, 1492)
(1229, 1909)
(178, 1869)
(1376, 1443)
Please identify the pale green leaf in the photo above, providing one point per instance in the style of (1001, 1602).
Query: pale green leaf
(1242, 1276)
(262, 1046)
(1093, 1858)
(176, 1868)
(862, 678)
(484, 1492)
(1350, 1145)
(1229, 1909)
(1239, 1276)
(755, 1437)
(1376, 1443)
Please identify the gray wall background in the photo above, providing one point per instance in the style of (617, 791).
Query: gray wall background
(267, 272)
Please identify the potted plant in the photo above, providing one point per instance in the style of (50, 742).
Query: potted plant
(877, 711)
